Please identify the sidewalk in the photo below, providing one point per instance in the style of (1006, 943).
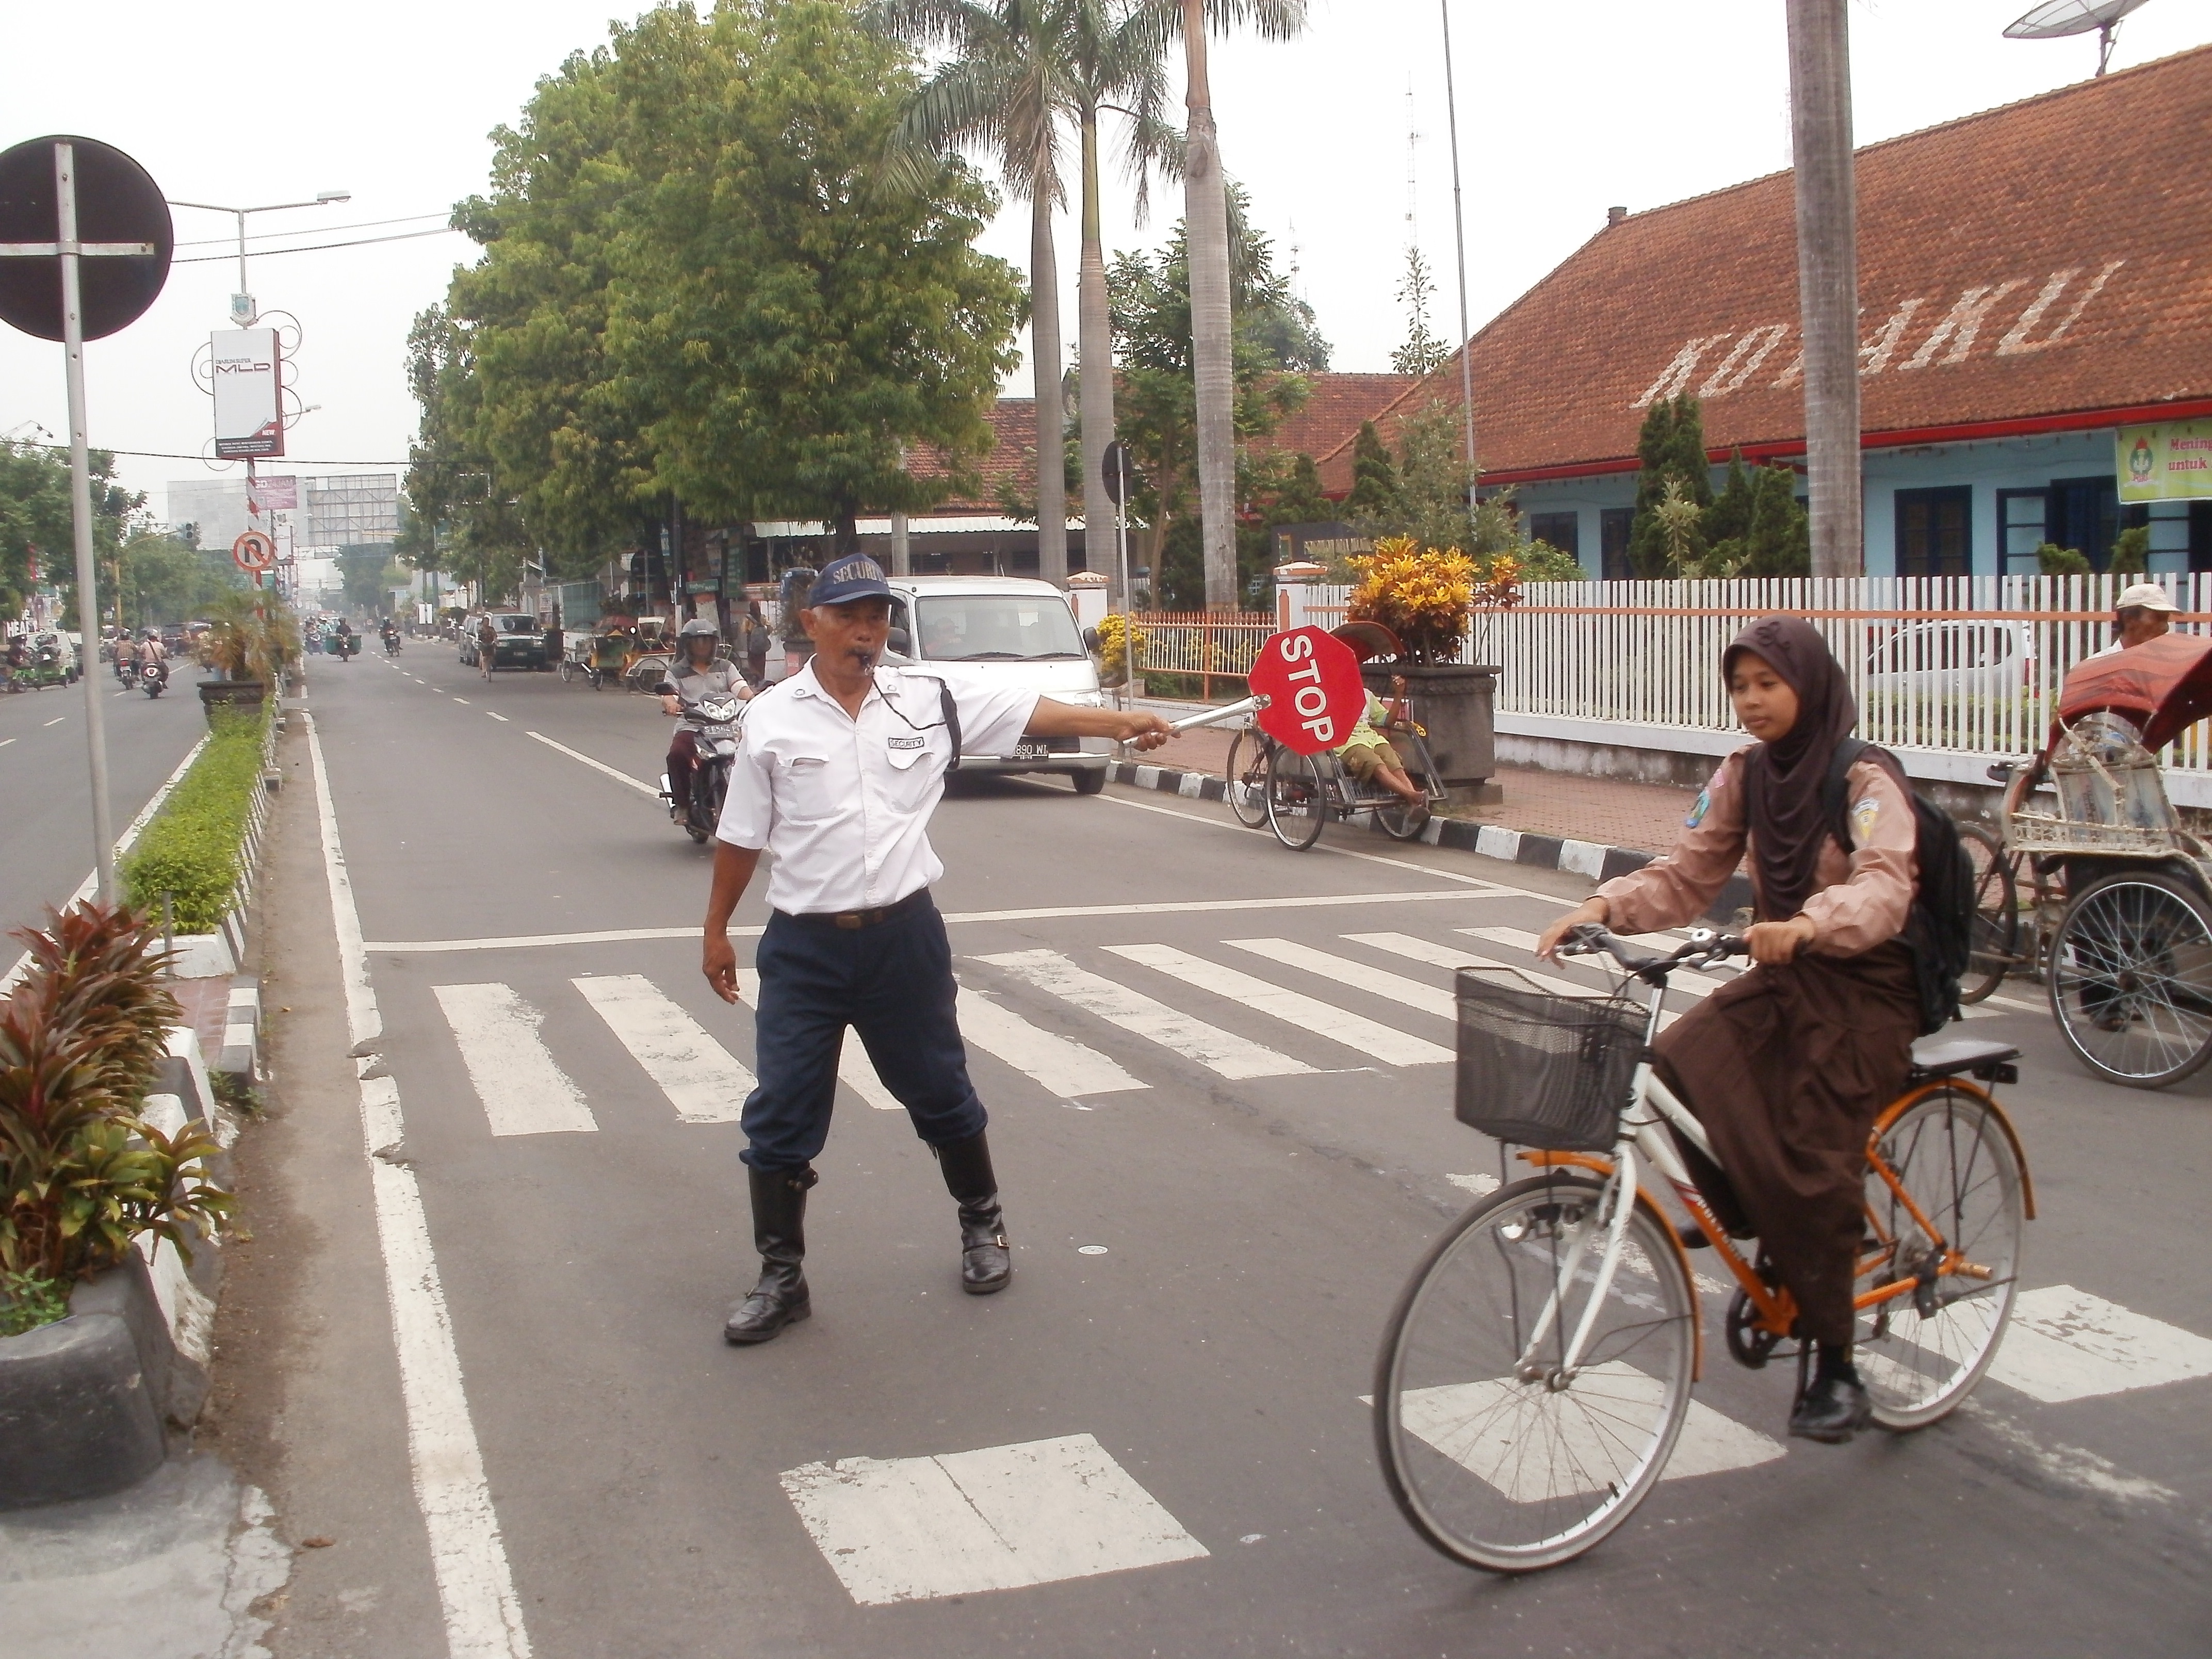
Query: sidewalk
(1642, 817)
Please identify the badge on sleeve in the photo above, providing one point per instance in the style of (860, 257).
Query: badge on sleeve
(1704, 805)
(1865, 817)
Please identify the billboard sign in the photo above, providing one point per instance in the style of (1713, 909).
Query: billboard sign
(274, 496)
(249, 375)
(2169, 462)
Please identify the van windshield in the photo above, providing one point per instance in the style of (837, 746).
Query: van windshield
(996, 627)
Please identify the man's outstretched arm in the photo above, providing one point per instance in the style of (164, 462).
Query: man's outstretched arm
(1061, 720)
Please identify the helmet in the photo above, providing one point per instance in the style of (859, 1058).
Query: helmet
(697, 627)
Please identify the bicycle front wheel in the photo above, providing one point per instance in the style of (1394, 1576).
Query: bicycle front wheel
(1921, 1354)
(2131, 980)
(1297, 798)
(1246, 778)
(1993, 945)
(1497, 1458)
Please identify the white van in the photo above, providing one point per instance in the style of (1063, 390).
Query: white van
(1014, 631)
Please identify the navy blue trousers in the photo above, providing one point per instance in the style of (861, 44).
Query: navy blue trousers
(893, 984)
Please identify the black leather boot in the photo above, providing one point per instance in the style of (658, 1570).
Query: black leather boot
(779, 1235)
(1835, 1408)
(986, 1264)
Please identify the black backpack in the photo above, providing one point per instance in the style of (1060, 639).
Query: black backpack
(1939, 929)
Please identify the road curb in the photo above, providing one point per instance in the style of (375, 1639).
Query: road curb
(1529, 848)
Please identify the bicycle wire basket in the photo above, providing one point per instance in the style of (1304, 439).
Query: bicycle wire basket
(1542, 1070)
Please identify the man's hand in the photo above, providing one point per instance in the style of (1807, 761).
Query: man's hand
(1778, 941)
(1145, 731)
(1063, 720)
(719, 961)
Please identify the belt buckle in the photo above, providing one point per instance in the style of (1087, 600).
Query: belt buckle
(850, 919)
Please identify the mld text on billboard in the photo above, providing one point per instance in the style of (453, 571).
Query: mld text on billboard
(248, 371)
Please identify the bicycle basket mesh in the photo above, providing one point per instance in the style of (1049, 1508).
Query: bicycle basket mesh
(1540, 1070)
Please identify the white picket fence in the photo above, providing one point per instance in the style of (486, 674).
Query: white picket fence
(1970, 666)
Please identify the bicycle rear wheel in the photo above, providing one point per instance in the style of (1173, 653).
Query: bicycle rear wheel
(1496, 1460)
(1993, 946)
(1246, 775)
(1298, 797)
(1921, 1353)
(2130, 979)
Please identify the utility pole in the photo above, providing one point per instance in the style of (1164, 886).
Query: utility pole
(1827, 278)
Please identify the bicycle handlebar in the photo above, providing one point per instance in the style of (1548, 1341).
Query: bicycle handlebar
(1703, 948)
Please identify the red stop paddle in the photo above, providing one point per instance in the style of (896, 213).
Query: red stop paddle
(1306, 691)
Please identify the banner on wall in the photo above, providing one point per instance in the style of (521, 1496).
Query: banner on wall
(2169, 462)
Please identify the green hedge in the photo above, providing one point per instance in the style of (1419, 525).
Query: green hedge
(192, 849)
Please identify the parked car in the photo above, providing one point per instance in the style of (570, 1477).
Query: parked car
(1961, 655)
(1013, 631)
(521, 641)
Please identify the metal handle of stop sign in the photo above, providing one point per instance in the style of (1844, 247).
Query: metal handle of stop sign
(1215, 716)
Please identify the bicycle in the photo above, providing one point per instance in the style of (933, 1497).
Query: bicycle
(1294, 795)
(1536, 1371)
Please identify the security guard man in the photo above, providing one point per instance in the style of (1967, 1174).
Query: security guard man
(838, 770)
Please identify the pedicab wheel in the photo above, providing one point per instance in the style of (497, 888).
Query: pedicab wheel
(1993, 946)
(647, 672)
(1298, 800)
(1497, 1458)
(1403, 820)
(2130, 979)
(1246, 778)
(1922, 1353)
(568, 672)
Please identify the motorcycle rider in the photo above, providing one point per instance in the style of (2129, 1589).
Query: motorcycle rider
(391, 632)
(342, 639)
(694, 674)
(152, 656)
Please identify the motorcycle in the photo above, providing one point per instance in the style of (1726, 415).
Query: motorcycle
(154, 680)
(713, 726)
(343, 646)
(391, 641)
(126, 668)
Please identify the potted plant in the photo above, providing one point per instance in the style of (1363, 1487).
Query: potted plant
(252, 640)
(82, 1178)
(1429, 598)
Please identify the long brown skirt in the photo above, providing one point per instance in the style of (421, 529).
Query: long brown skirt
(1787, 1068)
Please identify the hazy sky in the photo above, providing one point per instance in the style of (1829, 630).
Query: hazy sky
(1565, 110)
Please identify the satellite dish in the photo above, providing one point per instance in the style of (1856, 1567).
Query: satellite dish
(2058, 18)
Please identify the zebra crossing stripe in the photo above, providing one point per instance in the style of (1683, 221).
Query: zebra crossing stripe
(1371, 1037)
(523, 1093)
(1056, 1064)
(853, 1069)
(1360, 976)
(1218, 1050)
(698, 1075)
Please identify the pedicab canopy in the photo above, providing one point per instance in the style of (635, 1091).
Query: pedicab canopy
(2163, 685)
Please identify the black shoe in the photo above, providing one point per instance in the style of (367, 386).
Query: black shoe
(780, 1234)
(1834, 1410)
(986, 1263)
(1692, 1237)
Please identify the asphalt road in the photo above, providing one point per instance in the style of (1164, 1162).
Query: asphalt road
(45, 835)
(1153, 1442)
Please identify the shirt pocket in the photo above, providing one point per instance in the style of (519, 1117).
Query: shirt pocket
(808, 792)
(912, 774)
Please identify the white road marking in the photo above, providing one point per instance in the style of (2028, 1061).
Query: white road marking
(854, 1069)
(1060, 1067)
(698, 1075)
(915, 1529)
(1360, 976)
(58, 720)
(1211, 1046)
(4, 742)
(643, 788)
(1454, 1417)
(476, 1590)
(1480, 1185)
(2065, 1343)
(1993, 1001)
(1448, 955)
(523, 1091)
(501, 719)
(1369, 1036)
(609, 936)
(464, 701)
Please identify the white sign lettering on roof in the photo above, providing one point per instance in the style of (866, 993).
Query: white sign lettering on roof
(1732, 360)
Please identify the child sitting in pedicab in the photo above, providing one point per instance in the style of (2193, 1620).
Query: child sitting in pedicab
(1367, 754)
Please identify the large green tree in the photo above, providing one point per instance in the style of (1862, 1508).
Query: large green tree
(1672, 445)
(35, 513)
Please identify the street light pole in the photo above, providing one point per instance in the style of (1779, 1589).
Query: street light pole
(1827, 278)
(1458, 233)
(242, 311)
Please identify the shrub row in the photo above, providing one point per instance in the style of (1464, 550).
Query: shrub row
(192, 849)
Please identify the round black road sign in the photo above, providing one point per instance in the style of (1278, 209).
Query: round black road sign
(117, 202)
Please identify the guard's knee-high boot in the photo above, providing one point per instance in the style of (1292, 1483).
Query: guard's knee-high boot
(780, 1234)
(986, 1264)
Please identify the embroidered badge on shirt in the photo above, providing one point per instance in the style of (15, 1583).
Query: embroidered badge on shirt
(907, 743)
(1698, 813)
(1864, 817)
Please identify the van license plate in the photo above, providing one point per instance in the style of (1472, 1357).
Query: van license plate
(1028, 750)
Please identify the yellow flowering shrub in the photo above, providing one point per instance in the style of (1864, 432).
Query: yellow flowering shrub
(1120, 647)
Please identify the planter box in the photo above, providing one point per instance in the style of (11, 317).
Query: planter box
(241, 694)
(1457, 704)
(83, 1401)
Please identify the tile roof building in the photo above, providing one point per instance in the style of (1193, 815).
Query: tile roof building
(2033, 279)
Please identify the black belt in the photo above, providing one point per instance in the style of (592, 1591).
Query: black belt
(849, 919)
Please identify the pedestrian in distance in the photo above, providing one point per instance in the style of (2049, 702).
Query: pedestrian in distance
(838, 772)
(487, 646)
(751, 642)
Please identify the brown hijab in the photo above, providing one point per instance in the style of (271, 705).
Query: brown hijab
(1783, 780)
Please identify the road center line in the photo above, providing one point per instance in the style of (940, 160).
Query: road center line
(501, 719)
(58, 720)
(637, 784)
(476, 1589)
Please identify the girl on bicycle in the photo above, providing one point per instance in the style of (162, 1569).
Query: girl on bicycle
(1787, 1066)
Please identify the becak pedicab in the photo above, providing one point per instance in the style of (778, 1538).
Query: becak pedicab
(2122, 893)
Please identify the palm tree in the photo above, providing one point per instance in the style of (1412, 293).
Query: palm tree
(1021, 72)
(1206, 214)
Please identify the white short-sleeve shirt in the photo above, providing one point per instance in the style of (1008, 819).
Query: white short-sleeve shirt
(844, 803)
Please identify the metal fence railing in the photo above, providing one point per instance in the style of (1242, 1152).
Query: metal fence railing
(1202, 645)
(1965, 664)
